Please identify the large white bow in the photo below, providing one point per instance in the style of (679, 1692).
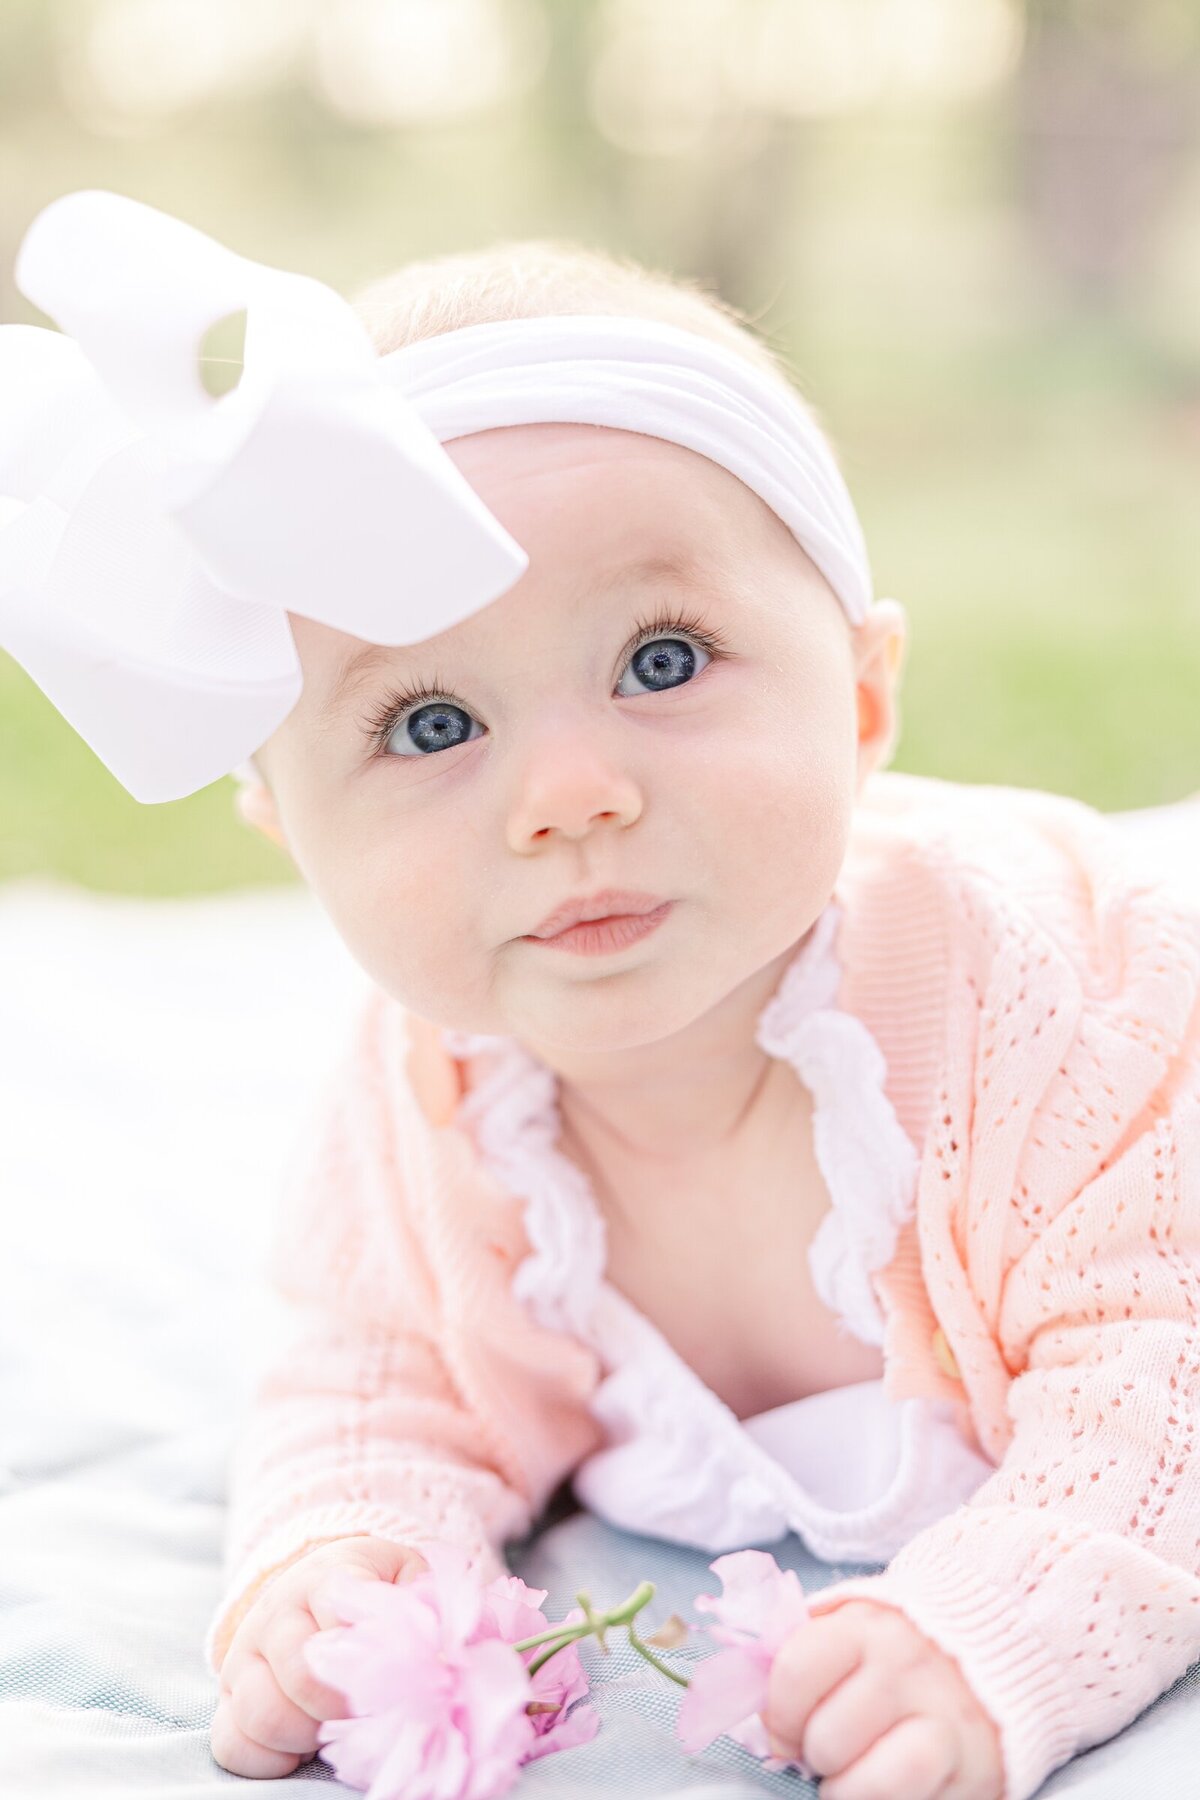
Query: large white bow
(153, 538)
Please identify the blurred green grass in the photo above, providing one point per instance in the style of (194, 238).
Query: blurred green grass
(1029, 497)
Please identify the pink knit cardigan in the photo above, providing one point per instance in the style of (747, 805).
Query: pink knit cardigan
(1036, 998)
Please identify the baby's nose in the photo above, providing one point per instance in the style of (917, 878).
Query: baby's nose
(570, 787)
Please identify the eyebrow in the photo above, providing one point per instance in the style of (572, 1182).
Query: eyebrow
(371, 657)
(362, 664)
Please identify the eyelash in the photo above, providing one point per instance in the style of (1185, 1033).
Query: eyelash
(380, 724)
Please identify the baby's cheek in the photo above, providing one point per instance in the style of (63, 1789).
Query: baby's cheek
(404, 920)
(798, 809)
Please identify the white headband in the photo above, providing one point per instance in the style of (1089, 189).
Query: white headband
(153, 539)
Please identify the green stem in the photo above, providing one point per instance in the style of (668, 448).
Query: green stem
(595, 1624)
(619, 1615)
(566, 1632)
(650, 1657)
(594, 1620)
(540, 1661)
(629, 1609)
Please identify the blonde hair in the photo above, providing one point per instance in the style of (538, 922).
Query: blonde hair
(536, 278)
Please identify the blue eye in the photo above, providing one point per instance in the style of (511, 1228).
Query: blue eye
(663, 662)
(436, 722)
(658, 653)
(439, 725)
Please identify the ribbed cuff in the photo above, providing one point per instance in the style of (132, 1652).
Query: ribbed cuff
(1005, 1663)
(327, 1524)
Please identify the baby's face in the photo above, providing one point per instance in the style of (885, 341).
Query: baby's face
(571, 749)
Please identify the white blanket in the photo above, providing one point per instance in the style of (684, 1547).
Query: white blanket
(157, 1059)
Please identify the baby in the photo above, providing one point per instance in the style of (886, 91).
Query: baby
(759, 1138)
(670, 720)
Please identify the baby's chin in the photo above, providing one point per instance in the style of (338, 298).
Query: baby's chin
(595, 1023)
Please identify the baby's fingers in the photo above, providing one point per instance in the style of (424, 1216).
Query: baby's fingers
(913, 1761)
(237, 1750)
(264, 1712)
(811, 1662)
(282, 1643)
(844, 1725)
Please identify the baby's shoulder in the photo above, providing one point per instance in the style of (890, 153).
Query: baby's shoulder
(988, 922)
(1002, 862)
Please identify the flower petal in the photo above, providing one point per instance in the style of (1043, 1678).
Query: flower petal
(723, 1690)
(513, 1611)
(382, 1755)
(560, 1680)
(786, 1609)
(571, 1728)
(750, 1579)
(493, 1690)
(387, 1656)
(513, 1588)
(459, 1592)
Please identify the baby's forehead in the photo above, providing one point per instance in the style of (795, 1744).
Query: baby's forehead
(606, 485)
(597, 507)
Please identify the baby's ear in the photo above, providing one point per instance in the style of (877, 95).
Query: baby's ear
(880, 644)
(256, 805)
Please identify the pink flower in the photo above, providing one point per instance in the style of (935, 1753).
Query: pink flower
(514, 1611)
(437, 1696)
(760, 1607)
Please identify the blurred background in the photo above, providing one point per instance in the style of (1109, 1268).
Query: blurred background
(972, 227)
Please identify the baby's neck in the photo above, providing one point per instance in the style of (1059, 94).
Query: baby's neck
(684, 1097)
(688, 1113)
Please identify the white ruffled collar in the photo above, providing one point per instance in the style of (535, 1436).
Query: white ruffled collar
(853, 1475)
(868, 1161)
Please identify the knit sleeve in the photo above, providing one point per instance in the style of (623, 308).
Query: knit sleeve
(1068, 1587)
(373, 1420)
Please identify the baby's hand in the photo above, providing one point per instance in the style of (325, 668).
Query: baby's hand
(271, 1703)
(862, 1696)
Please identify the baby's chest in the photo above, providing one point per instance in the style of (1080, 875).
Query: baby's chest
(718, 1262)
(750, 1324)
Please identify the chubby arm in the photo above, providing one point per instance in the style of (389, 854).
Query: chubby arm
(1068, 1587)
(415, 1399)
(357, 1431)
